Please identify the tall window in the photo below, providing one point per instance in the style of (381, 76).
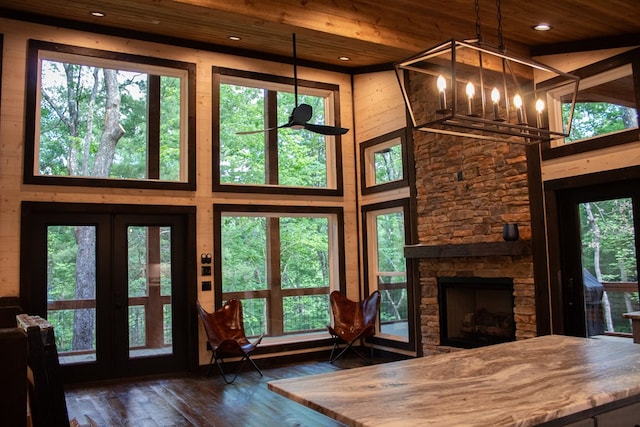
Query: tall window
(99, 118)
(282, 159)
(281, 265)
(387, 271)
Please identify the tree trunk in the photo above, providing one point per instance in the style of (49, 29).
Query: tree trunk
(84, 320)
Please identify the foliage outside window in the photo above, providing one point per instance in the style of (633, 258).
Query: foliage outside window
(609, 255)
(295, 159)
(99, 118)
(605, 104)
(384, 163)
(282, 266)
(71, 278)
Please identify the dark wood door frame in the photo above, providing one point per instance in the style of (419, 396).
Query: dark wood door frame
(33, 248)
(560, 196)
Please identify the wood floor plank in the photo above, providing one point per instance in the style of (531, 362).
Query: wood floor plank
(200, 401)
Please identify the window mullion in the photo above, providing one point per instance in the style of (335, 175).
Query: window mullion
(271, 140)
(274, 279)
(153, 128)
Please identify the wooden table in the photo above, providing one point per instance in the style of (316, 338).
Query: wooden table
(635, 324)
(520, 383)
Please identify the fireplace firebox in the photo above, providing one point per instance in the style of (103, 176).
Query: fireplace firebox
(476, 311)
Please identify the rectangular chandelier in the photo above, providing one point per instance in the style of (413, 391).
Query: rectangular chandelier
(470, 89)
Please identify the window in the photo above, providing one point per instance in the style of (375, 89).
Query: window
(606, 109)
(384, 162)
(107, 119)
(386, 267)
(284, 160)
(605, 105)
(281, 264)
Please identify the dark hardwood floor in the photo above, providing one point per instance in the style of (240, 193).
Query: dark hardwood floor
(198, 400)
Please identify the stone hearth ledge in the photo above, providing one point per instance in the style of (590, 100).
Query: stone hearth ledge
(521, 383)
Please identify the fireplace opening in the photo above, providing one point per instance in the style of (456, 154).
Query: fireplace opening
(476, 311)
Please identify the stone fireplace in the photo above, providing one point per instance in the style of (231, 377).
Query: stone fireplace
(475, 311)
(466, 189)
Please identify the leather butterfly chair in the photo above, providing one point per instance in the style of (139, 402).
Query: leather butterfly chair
(225, 332)
(352, 321)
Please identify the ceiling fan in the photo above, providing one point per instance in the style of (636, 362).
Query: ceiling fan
(301, 113)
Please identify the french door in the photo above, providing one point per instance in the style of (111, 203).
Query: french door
(114, 287)
(599, 265)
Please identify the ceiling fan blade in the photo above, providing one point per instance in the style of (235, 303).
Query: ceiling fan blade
(250, 132)
(326, 130)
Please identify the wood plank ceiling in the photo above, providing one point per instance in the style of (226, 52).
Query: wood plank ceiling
(370, 32)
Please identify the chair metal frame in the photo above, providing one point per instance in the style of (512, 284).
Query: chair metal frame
(352, 321)
(226, 337)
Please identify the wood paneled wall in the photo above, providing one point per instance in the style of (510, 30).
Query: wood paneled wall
(12, 124)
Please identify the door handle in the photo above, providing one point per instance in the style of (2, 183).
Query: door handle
(571, 291)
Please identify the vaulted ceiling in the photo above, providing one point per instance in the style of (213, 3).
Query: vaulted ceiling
(369, 32)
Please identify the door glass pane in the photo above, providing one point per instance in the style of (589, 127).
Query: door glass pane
(609, 265)
(391, 274)
(149, 291)
(71, 291)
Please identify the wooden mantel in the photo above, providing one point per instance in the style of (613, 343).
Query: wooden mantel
(515, 248)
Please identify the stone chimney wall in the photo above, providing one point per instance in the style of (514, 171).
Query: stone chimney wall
(466, 190)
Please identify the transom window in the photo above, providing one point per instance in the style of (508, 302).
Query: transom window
(281, 265)
(384, 162)
(280, 159)
(606, 109)
(605, 105)
(109, 117)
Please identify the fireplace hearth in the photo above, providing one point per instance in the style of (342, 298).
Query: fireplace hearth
(476, 311)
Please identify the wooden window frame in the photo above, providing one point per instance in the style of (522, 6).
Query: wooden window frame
(338, 256)
(369, 251)
(608, 140)
(218, 74)
(367, 167)
(33, 78)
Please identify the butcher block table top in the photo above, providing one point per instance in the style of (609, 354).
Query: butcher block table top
(521, 383)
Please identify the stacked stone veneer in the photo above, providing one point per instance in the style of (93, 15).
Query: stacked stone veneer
(466, 190)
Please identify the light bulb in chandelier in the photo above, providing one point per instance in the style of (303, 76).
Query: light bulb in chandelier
(517, 102)
(539, 111)
(471, 92)
(441, 84)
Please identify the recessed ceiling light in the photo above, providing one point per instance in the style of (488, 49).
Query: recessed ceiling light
(542, 27)
(97, 14)
(344, 58)
(235, 38)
